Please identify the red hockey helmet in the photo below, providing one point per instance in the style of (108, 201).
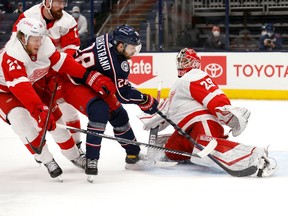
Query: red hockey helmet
(186, 60)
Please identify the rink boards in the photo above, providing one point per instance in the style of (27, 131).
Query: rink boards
(253, 75)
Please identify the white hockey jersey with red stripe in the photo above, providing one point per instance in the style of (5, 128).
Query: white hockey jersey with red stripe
(18, 71)
(63, 32)
(194, 98)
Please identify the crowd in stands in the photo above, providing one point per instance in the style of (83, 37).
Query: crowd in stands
(266, 39)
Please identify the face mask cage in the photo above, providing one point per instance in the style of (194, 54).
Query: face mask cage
(186, 61)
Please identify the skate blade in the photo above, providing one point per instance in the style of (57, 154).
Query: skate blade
(90, 178)
(59, 178)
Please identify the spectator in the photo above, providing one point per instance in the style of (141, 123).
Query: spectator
(263, 30)
(19, 9)
(271, 41)
(244, 41)
(216, 40)
(7, 6)
(82, 26)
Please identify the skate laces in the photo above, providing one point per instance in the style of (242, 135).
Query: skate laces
(52, 165)
(81, 160)
(81, 152)
(92, 163)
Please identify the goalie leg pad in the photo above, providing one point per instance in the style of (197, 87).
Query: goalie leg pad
(235, 155)
(179, 142)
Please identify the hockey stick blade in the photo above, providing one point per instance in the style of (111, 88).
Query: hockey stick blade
(35, 149)
(153, 133)
(237, 173)
(208, 149)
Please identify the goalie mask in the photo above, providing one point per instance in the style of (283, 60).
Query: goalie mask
(186, 60)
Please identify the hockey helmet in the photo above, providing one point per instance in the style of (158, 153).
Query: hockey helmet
(129, 37)
(186, 60)
(64, 2)
(126, 34)
(31, 27)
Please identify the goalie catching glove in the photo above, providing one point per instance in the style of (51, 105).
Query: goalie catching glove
(234, 117)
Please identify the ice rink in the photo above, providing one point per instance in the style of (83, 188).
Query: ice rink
(27, 190)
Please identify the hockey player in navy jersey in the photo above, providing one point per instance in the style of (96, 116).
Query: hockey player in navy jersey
(108, 55)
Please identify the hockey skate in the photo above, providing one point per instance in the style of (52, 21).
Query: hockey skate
(54, 170)
(136, 161)
(267, 166)
(91, 169)
(80, 161)
(81, 152)
(132, 158)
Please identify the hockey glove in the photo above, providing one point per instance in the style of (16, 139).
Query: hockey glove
(152, 121)
(234, 117)
(112, 102)
(100, 83)
(40, 113)
(149, 104)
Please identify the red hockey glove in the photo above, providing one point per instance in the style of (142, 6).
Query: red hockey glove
(100, 83)
(149, 104)
(112, 102)
(40, 113)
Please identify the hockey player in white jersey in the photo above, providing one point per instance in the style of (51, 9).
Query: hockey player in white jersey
(200, 108)
(62, 30)
(26, 59)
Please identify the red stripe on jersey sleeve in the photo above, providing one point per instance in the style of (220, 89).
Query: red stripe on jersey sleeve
(201, 88)
(69, 65)
(71, 38)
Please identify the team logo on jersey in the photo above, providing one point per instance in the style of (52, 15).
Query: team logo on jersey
(141, 69)
(215, 66)
(125, 66)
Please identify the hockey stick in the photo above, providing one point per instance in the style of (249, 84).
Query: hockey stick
(93, 133)
(153, 132)
(42, 142)
(238, 173)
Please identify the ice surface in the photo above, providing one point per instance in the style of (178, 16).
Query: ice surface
(27, 189)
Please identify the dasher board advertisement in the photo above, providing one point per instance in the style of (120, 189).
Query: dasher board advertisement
(255, 75)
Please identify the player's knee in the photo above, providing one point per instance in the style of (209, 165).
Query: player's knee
(119, 118)
(98, 111)
(22, 122)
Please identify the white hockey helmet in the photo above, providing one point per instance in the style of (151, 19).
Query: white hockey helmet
(186, 60)
(65, 2)
(31, 27)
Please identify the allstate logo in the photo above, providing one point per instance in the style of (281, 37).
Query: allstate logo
(214, 70)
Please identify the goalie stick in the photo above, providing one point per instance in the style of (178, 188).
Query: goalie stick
(42, 142)
(238, 173)
(153, 133)
(202, 153)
